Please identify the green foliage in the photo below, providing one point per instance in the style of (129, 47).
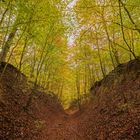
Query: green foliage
(104, 34)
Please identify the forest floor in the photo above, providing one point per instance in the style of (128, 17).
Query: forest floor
(112, 114)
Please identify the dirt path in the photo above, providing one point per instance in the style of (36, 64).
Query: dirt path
(65, 128)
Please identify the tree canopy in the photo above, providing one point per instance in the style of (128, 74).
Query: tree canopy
(65, 46)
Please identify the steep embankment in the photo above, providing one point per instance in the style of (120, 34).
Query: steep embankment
(25, 113)
(112, 114)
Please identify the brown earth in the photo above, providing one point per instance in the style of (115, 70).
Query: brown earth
(112, 114)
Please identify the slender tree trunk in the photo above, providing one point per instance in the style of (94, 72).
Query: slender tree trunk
(123, 34)
(99, 55)
(4, 13)
(129, 15)
(7, 45)
(108, 37)
(78, 88)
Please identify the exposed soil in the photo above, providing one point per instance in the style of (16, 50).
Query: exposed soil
(112, 114)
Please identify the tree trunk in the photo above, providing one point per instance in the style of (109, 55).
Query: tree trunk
(7, 45)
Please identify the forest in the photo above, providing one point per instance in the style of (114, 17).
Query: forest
(83, 56)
